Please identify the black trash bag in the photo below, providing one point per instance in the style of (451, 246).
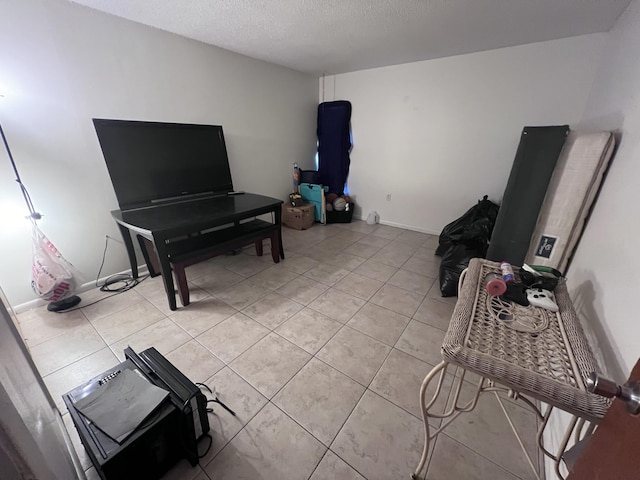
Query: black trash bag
(464, 239)
(474, 227)
(454, 261)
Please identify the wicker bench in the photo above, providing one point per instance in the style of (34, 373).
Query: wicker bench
(519, 351)
(188, 251)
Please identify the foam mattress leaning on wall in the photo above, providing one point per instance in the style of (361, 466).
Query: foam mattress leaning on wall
(533, 166)
(569, 198)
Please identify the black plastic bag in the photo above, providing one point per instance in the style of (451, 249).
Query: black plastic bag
(464, 239)
(472, 228)
(454, 261)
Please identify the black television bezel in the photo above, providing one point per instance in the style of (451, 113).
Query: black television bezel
(165, 197)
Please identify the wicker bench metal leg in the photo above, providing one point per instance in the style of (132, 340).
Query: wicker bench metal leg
(451, 412)
(456, 407)
(442, 369)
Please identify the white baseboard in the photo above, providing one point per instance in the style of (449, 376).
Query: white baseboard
(85, 287)
(402, 225)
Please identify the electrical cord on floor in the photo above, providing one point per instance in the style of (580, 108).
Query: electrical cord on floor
(128, 282)
(204, 454)
(215, 399)
(187, 409)
(200, 384)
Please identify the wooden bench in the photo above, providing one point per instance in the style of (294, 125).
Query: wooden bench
(191, 250)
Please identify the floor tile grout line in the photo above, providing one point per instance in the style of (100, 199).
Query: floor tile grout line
(265, 326)
(213, 353)
(387, 356)
(502, 467)
(360, 308)
(428, 324)
(328, 447)
(105, 299)
(31, 345)
(366, 388)
(374, 293)
(133, 333)
(236, 311)
(430, 454)
(371, 336)
(269, 401)
(243, 427)
(318, 464)
(302, 426)
(313, 356)
(341, 427)
(390, 346)
(201, 472)
(287, 382)
(323, 345)
(449, 397)
(297, 301)
(77, 360)
(235, 308)
(166, 317)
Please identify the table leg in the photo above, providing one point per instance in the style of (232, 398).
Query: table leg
(275, 239)
(150, 257)
(259, 250)
(165, 269)
(128, 243)
(183, 286)
(278, 218)
(440, 369)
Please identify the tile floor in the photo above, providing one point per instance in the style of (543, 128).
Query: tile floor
(321, 356)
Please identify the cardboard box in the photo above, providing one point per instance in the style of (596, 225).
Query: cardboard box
(299, 217)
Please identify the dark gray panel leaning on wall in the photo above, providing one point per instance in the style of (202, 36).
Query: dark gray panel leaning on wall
(531, 172)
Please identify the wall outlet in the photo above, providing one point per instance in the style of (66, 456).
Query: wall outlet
(388, 197)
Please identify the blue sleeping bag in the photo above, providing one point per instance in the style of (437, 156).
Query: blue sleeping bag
(334, 144)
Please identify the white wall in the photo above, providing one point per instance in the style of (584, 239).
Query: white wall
(438, 135)
(605, 273)
(62, 64)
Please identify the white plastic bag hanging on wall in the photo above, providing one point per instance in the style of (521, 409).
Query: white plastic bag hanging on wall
(53, 277)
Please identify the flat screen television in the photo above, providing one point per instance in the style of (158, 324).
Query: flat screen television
(154, 162)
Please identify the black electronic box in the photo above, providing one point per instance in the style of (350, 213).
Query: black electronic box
(170, 433)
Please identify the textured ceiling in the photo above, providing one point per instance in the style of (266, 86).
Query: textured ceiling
(337, 36)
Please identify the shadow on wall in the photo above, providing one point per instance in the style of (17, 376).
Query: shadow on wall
(612, 121)
(588, 308)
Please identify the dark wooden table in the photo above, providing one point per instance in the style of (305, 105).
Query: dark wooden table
(161, 223)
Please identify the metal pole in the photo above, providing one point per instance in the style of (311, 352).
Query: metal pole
(32, 212)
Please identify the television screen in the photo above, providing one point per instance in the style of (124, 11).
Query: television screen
(152, 162)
